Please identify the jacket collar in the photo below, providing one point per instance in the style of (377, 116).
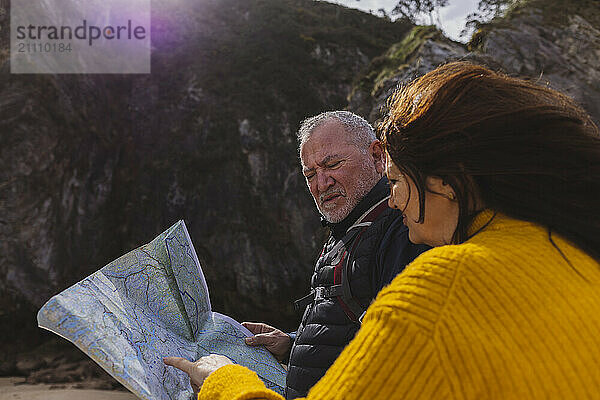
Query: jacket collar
(377, 193)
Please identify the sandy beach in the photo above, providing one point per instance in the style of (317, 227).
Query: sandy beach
(12, 388)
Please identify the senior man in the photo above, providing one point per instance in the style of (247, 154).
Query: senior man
(343, 163)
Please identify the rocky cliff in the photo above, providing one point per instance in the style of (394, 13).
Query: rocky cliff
(556, 43)
(93, 166)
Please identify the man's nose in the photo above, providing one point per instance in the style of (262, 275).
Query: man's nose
(391, 203)
(324, 181)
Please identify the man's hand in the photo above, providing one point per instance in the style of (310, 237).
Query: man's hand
(276, 341)
(200, 370)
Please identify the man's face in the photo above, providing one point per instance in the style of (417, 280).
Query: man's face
(337, 172)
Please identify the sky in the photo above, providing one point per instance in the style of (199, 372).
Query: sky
(452, 17)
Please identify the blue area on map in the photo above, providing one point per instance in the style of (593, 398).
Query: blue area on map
(151, 303)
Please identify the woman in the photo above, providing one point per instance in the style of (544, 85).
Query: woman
(503, 177)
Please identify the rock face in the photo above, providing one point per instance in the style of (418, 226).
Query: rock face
(93, 166)
(567, 56)
(530, 42)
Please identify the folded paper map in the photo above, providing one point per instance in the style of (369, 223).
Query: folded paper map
(149, 304)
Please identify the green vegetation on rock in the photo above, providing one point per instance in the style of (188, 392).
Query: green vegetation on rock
(398, 55)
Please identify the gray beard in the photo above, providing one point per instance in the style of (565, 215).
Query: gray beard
(364, 183)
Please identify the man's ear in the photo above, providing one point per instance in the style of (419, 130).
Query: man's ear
(377, 152)
(437, 185)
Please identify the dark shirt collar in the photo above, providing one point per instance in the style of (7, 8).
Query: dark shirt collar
(377, 193)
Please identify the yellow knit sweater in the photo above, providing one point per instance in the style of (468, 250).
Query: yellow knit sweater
(501, 316)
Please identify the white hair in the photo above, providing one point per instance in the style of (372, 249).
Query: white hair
(359, 131)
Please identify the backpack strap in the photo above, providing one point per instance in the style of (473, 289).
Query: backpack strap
(341, 287)
(341, 274)
(325, 292)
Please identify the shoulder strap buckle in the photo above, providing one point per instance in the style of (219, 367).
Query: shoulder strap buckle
(327, 292)
(317, 294)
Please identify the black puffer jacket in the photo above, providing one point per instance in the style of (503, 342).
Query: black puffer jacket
(381, 252)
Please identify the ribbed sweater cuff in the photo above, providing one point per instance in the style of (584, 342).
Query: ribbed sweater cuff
(234, 382)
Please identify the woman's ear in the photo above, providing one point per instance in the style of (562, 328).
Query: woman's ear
(377, 152)
(438, 186)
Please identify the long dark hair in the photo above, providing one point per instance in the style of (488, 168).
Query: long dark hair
(527, 151)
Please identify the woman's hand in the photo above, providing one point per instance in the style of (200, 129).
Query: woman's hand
(199, 370)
